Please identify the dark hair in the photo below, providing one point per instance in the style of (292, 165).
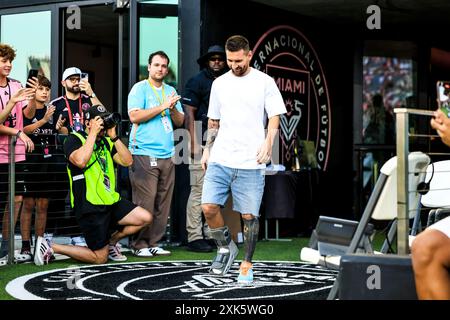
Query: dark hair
(236, 43)
(158, 53)
(7, 52)
(43, 81)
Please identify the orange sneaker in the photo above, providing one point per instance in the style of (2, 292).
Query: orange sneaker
(245, 273)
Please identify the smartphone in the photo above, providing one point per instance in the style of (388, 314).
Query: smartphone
(33, 73)
(443, 96)
(85, 76)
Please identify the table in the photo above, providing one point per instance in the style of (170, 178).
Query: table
(289, 195)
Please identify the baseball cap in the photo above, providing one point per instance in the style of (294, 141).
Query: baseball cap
(70, 72)
(97, 110)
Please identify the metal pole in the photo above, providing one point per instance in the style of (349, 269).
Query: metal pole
(402, 181)
(119, 86)
(120, 66)
(276, 229)
(12, 192)
(133, 44)
(266, 231)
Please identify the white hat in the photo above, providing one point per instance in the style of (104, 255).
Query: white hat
(70, 72)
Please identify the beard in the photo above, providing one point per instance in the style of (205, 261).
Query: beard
(240, 71)
(73, 89)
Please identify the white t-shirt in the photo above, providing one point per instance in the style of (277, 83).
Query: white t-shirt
(240, 104)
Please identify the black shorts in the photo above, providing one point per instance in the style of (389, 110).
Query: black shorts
(98, 226)
(43, 177)
(4, 182)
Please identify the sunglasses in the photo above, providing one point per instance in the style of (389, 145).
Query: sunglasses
(74, 79)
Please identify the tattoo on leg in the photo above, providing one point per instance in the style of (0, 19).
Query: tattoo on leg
(251, 230)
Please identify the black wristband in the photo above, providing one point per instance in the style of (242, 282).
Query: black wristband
(18, 133)
(115, 139)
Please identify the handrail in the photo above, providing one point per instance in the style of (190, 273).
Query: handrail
(402, 141)
(12, 192)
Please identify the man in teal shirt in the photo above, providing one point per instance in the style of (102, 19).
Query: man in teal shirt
(154, 109)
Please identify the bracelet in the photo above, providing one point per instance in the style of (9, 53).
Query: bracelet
(115, 139)
(18, 133)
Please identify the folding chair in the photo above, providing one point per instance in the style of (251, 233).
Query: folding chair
(436, 191)
(382, 203)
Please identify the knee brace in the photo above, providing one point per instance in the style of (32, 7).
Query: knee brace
(251, 230)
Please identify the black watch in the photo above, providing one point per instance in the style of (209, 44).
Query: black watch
(115, 139)
(18, 133)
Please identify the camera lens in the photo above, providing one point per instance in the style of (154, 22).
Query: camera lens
(111, 120)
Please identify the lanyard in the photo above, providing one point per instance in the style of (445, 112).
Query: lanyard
(10, 117)
(70, 111)
(9, 95)
(100, 155)
(163, 113)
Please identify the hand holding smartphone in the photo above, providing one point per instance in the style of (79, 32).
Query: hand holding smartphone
(84, 82)
(443, 96)
(85, 76)
(33, 73)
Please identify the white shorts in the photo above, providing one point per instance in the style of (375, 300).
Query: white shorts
(442, 226)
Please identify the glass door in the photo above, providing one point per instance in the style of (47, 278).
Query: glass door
(157, 29)
(30, 35)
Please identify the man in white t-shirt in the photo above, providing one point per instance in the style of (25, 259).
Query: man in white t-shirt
(431, 248)
(238, 103)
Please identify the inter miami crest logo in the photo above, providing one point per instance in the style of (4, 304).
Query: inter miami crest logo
(166, 280)
(288, 57)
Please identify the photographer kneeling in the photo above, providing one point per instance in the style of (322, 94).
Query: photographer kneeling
(103, 216)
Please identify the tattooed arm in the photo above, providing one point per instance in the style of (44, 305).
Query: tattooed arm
(213, 129)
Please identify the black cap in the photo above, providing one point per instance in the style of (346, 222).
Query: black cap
(97, 110)
(216, 49)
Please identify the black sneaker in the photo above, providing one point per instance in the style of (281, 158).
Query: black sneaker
(212, 243)
(199, 245)
(25, 255)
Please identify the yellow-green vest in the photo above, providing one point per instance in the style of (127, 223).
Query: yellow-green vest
(96, 192)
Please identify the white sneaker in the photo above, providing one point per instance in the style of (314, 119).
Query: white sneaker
(115, 254)
(158, 251)
(3, 260)
(144, 252)
(48, 236)
(18, 258)
(24, 256)
(78, 241)
(43, 252)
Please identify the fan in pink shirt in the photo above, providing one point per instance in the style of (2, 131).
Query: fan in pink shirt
(13, 104)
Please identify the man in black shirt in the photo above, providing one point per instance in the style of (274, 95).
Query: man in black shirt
(78, 97)
(196, 101)
(74, 102)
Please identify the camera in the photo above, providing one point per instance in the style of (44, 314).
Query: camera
(111, 120)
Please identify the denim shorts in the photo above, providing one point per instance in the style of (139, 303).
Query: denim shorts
(246, 186)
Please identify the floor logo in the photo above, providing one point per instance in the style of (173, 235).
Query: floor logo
(285, 53)
(174, 280)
